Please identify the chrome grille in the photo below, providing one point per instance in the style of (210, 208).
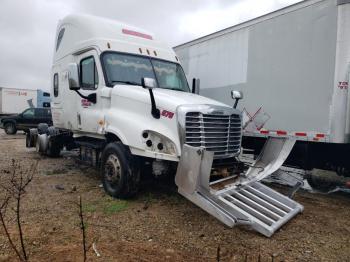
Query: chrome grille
(218, 133)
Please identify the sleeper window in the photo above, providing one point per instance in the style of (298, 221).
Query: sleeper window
(55, 85)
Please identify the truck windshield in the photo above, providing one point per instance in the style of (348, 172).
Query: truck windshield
(130, 69)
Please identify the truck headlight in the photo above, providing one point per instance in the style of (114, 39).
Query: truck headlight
(158, 143)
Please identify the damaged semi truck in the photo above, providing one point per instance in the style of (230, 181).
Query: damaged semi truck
(121, 97)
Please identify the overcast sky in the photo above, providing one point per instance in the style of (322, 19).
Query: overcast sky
(27, 27)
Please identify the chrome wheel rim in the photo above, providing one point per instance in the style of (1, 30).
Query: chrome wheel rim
(113, 171)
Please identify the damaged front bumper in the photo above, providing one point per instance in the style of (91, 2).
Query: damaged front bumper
(241, 200)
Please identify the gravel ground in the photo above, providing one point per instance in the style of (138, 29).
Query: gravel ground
(158, 225)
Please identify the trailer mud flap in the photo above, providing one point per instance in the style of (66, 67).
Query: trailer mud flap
(244, 201)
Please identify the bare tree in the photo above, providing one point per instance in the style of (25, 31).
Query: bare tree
(82, 227)
(14, 189)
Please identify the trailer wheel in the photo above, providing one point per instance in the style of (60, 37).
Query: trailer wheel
(120, 171)
(10, 128)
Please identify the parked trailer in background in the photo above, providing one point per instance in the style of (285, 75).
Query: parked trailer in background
(14, 101)
(293, 68)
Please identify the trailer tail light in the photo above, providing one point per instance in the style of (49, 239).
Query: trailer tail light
(347, 184)
(320, 135)
(138, 34)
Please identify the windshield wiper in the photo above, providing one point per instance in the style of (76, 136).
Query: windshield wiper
(126, 82)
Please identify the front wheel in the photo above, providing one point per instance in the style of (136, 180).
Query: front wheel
(10, 128)
(120, 171)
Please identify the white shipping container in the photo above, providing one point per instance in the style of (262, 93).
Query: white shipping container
(13, 101)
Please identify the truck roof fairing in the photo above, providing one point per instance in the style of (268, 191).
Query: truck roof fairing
(79, 32)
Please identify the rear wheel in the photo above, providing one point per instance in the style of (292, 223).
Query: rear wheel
(10, 128)
(28, 141)
(42, 128)
(53, 148)
(120, 171)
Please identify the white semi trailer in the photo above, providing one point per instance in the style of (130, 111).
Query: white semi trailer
(14, 101)
(121, 96)
(293, 67)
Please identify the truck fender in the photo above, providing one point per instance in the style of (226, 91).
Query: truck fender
(117, 134)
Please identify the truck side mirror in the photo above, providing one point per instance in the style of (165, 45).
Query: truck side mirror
(148, 83)
(195, 86)
(73, 77)
(236, 95)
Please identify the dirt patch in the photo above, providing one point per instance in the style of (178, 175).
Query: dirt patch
(158, 225)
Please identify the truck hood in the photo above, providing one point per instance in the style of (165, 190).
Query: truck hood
(165, 98)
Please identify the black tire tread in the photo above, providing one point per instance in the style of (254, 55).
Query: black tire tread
(130, 166)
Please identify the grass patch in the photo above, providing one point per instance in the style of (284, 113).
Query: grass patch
(115, 206)
(89, 208)
(106, 205)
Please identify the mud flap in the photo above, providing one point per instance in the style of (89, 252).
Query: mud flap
(245, 201)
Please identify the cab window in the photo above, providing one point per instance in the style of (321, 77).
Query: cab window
(88, 73)
(29, 113)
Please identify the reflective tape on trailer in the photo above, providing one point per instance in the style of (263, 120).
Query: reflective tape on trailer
(305, 136)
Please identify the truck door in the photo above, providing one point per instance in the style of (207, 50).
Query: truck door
(89, 114)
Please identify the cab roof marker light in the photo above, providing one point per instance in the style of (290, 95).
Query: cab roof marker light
(138, 34)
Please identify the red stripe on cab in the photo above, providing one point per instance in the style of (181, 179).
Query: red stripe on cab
(134, 33)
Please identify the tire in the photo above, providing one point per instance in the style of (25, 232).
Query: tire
(120, 171)
(42, 128)
(31, 137)
(53, 148)
(28, 141)
(41, 144)
(320, 184)
(10, 128)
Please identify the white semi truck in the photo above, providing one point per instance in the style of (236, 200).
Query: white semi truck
(293, 67)
(121, 97)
